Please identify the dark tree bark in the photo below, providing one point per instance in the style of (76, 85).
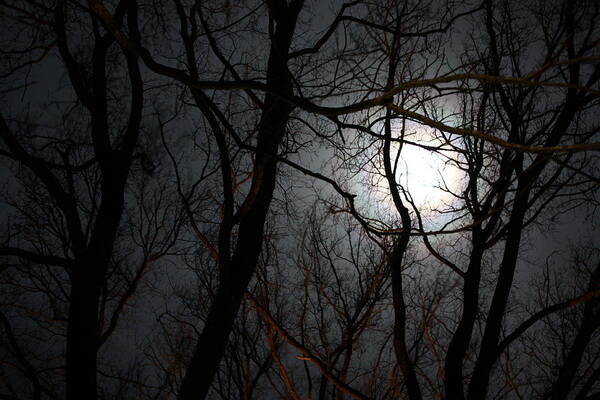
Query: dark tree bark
(590, 323)
(236, 274)
(91, 253)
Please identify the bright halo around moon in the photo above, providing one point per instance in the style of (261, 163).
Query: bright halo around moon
(423, 170)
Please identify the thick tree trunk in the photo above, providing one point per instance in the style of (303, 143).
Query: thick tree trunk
(461, 339)
(212, 343)
(589, 324)
(82, 335)
(405, 363)
(487, 356)
(213, 340)
(235, 278)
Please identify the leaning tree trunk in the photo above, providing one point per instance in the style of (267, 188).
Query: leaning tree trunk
(236, 277)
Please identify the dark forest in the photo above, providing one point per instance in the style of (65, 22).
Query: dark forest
(299, 199)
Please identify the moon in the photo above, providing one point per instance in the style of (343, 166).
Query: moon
(424, 171)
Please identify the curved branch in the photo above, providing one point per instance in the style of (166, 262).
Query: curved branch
(544, 313)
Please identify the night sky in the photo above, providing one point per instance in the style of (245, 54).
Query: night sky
(292, 199)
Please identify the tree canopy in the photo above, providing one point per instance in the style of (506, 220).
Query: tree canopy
(300, 199)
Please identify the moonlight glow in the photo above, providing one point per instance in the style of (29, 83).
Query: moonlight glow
(424, 173)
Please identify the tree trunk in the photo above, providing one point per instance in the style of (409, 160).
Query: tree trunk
(82, 335)
(235, 279)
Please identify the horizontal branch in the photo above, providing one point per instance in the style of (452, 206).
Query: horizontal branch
(594, 146)
(35, 257)
(378, 101)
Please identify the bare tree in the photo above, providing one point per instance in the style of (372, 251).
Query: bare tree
(264, 108)
(71, 161)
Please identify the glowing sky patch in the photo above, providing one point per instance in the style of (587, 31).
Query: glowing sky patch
(423, 172)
